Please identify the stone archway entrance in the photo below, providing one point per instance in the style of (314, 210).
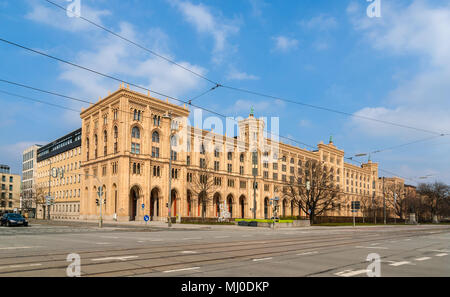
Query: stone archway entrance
(230, 205)
(154, 204)
(134, 200)
(242, 206)
(266, 208)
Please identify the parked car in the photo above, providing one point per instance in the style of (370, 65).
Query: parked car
(13, 219)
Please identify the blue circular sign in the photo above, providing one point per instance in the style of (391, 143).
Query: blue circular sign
(143, 205)
(146, 218)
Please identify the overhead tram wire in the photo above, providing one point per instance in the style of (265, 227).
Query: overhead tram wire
(400, 145)
(137, 86)
(328, 109)
(126, 82)
(39, 101)
(136, 44)
(86, 101)
(240, 89)
(77, 111)
(204, 93)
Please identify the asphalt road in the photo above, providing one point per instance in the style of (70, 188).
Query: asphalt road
(226, 251)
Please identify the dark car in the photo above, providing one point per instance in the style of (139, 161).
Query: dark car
(13, 219)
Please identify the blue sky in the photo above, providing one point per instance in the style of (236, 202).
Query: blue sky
(329, 53)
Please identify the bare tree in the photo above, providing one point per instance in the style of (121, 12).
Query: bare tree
(395, 199)
(367, 206)
(436, 197)
(204, 184)
(313, 189)
(38, 198)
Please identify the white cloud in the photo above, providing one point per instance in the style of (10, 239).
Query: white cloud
(238, 75)
(57, 18)
(205, 22)
(321, 22)
(285, 44)
(257, 7)
(422, 31)
(116, 58)
(11, 154)
(260, 107)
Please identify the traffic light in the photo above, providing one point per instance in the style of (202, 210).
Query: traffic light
(104, 201)
(96, 201)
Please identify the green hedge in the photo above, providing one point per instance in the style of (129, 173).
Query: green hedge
(263, 221)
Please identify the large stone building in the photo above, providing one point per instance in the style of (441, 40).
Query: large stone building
(10, 190)
(58, 176)
(29, 169)
(125, 149)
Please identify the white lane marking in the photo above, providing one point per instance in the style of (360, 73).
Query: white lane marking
(21, 265)
(102, 243)
(112, 237)
(18, 247)
(308, 253)
(376, 243)
(262, 259)
(347, 273)
(247, 235)
(189, 252)
(441, 251)
(125, 258)
(371, 247)
(192, 238)
(183, 269)
(400, 263)
(155, 240)
(140, 241)
(221, 236)
(441, 255)
(408, 239)
(423, 259)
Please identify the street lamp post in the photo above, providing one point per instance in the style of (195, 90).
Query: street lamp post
(255, 172)
(169, 211)
(384, 204)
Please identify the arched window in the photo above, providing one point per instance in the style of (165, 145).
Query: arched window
(242, 157)
(139, 115)
(135, 132)
(116, 132)
(155, 137)
(135, 115)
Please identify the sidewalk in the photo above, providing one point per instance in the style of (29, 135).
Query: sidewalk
(137, 224)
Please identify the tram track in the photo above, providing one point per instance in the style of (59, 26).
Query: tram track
(255, 248)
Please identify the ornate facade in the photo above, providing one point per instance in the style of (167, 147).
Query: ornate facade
(125, 149)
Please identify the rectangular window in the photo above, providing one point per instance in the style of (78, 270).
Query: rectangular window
(155, 152)
(243, 184)
(241, 170)
(229, 168)
(216, 165)
(188, 160)
(275, 176)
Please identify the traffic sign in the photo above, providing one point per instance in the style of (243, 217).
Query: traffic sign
(146, 218)
(143, 206)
